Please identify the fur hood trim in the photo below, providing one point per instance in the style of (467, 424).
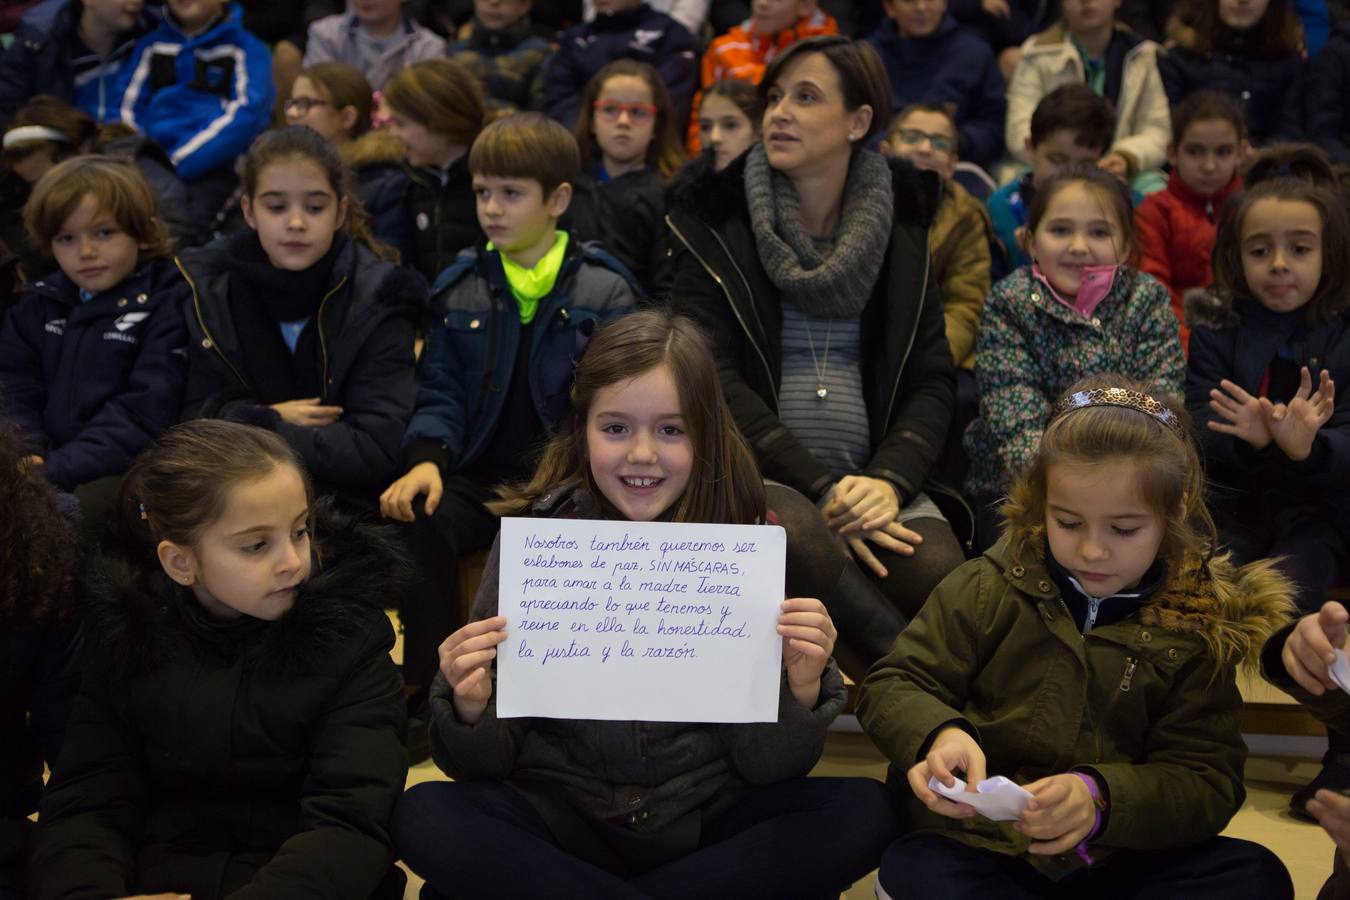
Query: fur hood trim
(1205, 307)
(142, 619)
(714, 197)
(374, 148)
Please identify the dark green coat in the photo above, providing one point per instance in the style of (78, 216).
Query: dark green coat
(1137, 703)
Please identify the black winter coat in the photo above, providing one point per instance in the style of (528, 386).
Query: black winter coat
(444, 216)
(382, 185)
(1267, 86)
(247, 759)
(1326, 97)
(366, 328)
(1238, 341)
(908, 379)
(626, 215)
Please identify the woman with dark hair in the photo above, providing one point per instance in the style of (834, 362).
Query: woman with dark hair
(807, 261)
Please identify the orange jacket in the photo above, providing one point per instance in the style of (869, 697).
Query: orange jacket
(744, 53)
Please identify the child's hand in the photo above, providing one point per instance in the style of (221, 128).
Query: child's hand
(808, 640)
(1242, 411)
(466, 662)
(1332, 812)
(1059, 815)
(952, 749)
(1116, 165)
(894, 537)
(1294, 426)
(861, 504)
(397, 500)
(1310, 649)
(308, 412)
(999, 9)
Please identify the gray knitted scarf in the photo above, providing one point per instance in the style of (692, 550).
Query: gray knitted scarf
(835, 284)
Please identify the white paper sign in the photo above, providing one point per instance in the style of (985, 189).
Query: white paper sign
(997, 798)
(647, 621)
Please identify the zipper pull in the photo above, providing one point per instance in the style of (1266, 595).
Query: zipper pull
(1130, 665)
(1209, 210)
(1094, 607)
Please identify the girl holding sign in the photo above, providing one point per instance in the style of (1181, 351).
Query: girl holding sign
(554, 807)
(1090, 656)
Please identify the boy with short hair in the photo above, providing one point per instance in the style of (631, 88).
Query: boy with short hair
(200, 85)
(505, 54)
(1071, 125)
(1178, 225)
(496, 371)
(745, 50)
(73, 51)
(622, 29)
(933, 61)
(375, 37)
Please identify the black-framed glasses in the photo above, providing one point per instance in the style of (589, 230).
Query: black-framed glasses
(912, 137)
(302, 105)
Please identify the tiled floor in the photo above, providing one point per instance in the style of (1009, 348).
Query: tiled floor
(1305, 849)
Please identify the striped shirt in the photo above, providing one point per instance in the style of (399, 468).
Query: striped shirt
(834, 428)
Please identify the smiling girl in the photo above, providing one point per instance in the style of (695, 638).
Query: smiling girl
(1079, 308)
(240, 731)
(297, 325)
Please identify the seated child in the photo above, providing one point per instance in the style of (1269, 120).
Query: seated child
(335, 100)
(92, 357)
(73, 51)
(504, 53)
(625, 808)
(1326, 98)
(622, 29)
(1177, 226)
(728, 120)
(629, 150)
(692, 14)
(1088, 47)
(1071, 125)
(1079, 308)
(201, 87)
(299, 326)
(40, 646)
(1298, 660)
(239, 729)
(745, 50)
(1267, 356)
(1248, 50)
(436, 110)
(376, 37)
(1090, 657)
(495, 378)
(933, 61)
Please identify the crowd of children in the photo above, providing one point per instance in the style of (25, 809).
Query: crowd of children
(1031, 330)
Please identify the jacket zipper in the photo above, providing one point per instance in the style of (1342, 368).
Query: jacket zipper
(914, 332)
(1131, 663)
(1087, 707)
(1094, 607)
(323, 342)
(773, 388)
(201, 321)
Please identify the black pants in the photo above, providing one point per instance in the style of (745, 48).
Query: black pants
(1313, 552)
(808, 837)
(936, 867)
(430, 609)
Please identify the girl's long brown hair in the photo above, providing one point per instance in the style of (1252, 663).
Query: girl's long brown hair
(725, 486)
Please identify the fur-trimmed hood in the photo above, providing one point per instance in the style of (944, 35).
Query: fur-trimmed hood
(378, 147)
(141, 620)
(1207, 308)
(713, 197)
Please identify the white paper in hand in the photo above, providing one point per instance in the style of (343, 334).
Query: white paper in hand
(998, 798)
(1340, 671)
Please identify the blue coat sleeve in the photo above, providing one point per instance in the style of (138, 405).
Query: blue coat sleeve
(441, 413)
(1316, 21)
(221, 138)
(130, 421)
(679, 71)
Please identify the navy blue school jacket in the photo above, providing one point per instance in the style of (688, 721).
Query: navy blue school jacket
(93, 384)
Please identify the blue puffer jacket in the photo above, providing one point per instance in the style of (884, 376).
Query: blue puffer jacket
(949, 66)
(93, 384)
(476, 343)
(39, 62)
(203, 98)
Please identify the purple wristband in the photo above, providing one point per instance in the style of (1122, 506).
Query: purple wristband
(1097, 803)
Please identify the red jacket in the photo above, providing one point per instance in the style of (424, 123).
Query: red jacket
(1176, 230)
(745, 53)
